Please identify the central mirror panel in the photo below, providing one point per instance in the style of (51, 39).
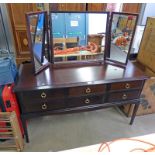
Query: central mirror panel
(78, 36)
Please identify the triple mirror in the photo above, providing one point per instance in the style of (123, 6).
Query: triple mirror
(80, 36)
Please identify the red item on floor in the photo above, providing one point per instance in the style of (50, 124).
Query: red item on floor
(10, 103)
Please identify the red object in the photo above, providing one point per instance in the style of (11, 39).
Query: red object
(130, 17)
(2, 125)
(10, 103)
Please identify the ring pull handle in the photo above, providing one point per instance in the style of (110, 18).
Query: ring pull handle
(87, 101)
(127, 86)
(88, 90)
(44, 106)
(124, 97)
(43, 95)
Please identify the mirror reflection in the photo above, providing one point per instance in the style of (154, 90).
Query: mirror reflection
(37, 38)
(78, 36)
(122, 29)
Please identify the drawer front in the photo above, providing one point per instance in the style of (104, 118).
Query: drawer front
(44, 106)
(42, 94)
(85, 101)
(126, 85)
(123, 96)
(86, 90)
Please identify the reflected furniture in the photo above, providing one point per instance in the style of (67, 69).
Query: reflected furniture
(66, 42)
(97, 38)
(81, 85)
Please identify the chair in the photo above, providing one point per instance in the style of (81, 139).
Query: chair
(97, 39)
(66, 42)
(72, 42)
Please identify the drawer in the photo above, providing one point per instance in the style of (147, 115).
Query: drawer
(122, 96)
(44, 106)
(85, 101)
(76, 91)
(42, 94)
(126, 85)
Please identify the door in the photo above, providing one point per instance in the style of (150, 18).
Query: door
(96, 6)
(58, 28)
(18, 22)
(67, 6)
(131, 7)
(76, 26)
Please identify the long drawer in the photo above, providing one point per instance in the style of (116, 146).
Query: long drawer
(85, 90)
(41, 106)
(85, 101)
(42, 94)
(123, 96)
(126, 85)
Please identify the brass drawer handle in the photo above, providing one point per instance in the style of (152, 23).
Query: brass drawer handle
(87, 101)
(43, 95)
(127, 86)
(88, 90)
(124, 97)
(44, 106)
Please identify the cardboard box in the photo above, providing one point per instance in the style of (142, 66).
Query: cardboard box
(146, 54)
(147, 102)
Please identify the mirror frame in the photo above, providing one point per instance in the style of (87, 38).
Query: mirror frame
(45, 26)
(77, 62)
(107, 56)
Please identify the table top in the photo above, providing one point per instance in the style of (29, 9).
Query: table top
(75, 76)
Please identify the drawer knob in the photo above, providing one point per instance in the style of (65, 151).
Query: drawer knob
(43, 95)
(44, 106)
(127, 86)
(87, 101)
(88, 90)
(124, 97)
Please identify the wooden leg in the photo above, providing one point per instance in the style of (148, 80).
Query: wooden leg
(25, 129)
(134, 113)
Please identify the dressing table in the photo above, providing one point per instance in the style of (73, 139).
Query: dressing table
(71, 87)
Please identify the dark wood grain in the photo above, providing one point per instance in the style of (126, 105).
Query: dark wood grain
(65, 89)
(85, 90)
(122, 96)
(76, 76)
(85, 101)
(126, 85)
(43, 106)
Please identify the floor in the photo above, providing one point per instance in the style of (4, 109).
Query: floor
(62, 132)
(117, 54)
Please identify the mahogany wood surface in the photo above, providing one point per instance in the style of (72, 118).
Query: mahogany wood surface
(76, 76)
(58, 90)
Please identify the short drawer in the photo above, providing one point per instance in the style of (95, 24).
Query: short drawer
(76, 91)
(44, 106)
(85, 101)
(43, 94)
(126, 85)
(123, 96)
